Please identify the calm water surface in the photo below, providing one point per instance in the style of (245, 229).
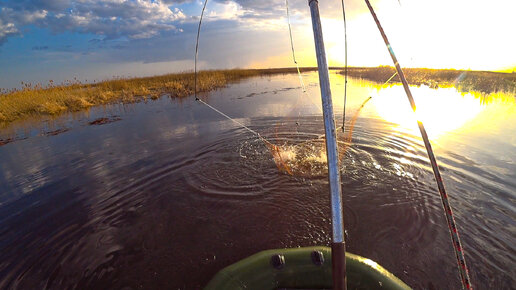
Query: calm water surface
(173, 192)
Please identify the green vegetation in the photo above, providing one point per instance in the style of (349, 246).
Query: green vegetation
(464, 81)
(73, 96)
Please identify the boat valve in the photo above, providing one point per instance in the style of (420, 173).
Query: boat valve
(317, 258)
(278, 261)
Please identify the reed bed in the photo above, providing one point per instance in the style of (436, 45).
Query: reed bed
(465, 81)
(72, 96)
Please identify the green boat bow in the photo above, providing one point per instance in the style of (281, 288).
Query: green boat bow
(301, 268)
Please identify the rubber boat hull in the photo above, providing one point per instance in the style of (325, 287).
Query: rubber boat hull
(301, 268)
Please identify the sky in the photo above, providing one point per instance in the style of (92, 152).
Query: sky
(43, 40)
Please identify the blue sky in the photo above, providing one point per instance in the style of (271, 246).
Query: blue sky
(91, 40)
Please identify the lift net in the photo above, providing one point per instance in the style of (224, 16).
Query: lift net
(300, 153)
(295, 143)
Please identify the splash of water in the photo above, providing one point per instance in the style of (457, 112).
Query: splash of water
(309, 158)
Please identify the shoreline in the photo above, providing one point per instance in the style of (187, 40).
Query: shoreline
(485, 82)
(54, 100)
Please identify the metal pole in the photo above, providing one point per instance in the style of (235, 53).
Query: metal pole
(457, 246)
(338, 245)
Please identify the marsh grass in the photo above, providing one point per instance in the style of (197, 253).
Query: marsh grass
(74, 96)
(465, 81)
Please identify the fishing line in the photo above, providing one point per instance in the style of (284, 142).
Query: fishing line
(274, 149)
(295, 61)
(454, 232)
(345, 65)
(293, 50)
(390, 79)
(351, 124)
(237, 122)
(348, 138)
(195, 88)
(197, 49)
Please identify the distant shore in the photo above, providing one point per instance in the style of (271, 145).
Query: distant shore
(73, 96)
(465, 81)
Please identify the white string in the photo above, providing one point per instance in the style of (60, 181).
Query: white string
(293, 51)
(237, 122)
(197, 48)
(390, 79)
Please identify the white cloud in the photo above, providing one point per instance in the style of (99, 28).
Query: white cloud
(277, 8)
(137, 19)
(6, 30)
(9, 18)
(110, 18)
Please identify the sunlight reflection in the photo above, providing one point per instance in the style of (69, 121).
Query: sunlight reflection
(441, 110)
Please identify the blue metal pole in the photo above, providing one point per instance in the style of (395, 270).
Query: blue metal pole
(338, 244)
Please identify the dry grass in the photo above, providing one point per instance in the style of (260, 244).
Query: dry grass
(73, 96)
(464, 81)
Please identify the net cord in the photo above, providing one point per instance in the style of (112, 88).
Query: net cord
(345, 65)
(293, 50)
(197, 48)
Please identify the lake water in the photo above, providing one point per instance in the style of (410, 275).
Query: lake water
(171, 191)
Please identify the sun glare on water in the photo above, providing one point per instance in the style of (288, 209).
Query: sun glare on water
(441, 111)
